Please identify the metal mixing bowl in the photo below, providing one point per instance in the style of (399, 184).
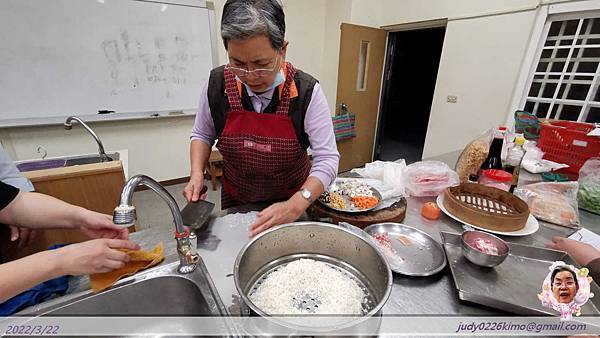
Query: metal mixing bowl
(480, 258)
(328, 243)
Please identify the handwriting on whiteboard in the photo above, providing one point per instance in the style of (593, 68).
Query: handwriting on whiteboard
(134, 64)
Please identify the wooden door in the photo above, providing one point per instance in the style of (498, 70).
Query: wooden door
(362, 51)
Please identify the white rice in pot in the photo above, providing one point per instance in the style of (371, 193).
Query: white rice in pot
(284, 290)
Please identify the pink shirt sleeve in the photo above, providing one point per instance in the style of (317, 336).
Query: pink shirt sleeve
(204, 127)
(319, 127)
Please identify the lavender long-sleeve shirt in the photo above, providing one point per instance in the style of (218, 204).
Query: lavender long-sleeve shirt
(317, 125)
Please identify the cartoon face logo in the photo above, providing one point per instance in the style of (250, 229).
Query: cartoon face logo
(564, 284)
(566, 289)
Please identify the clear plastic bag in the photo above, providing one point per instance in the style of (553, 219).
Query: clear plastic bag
(589, 185)
(473, 155)
(388, 173)
(533, 160)
(554, 202)
(393, 259)
(429, 178)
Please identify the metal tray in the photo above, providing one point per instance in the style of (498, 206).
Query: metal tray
(353, 210)
(423, 257)
(512, 286)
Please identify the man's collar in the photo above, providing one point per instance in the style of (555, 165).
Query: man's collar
(268, 94)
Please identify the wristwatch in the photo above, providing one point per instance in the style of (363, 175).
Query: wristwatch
(307, 195)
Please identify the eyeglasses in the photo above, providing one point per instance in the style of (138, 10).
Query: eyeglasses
(567, 283)
(240, 72)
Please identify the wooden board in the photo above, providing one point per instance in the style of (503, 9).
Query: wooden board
(395, 213)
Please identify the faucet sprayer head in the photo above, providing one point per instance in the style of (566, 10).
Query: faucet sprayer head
(124, 216)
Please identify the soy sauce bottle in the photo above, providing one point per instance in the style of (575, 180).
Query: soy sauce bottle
(494, 158)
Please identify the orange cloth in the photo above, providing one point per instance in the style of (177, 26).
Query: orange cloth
(139, 260)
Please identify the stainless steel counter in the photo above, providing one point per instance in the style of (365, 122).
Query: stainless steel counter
(225, 236)
(410, 295)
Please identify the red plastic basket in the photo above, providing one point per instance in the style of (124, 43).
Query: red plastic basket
(567, 142)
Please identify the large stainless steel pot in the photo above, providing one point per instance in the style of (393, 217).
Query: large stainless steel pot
(325, 242)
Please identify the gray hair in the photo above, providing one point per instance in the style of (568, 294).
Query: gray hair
(246, 18)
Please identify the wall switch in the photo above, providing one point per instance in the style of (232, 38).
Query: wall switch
(452, 99)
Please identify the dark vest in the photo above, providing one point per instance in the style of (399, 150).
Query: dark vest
(219, 105)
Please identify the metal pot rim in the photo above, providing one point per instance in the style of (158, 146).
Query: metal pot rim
(249, 303)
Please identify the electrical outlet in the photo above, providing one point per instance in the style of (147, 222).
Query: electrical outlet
(452, 99)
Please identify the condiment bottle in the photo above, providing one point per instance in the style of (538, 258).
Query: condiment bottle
(494, 158)
(513, 161)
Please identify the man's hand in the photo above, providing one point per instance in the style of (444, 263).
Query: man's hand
(94, 256)
(194, 190)
(25, 236)
(97, 225)
(276, 214)
(582, 253)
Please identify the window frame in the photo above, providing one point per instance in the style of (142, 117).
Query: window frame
(547, 14)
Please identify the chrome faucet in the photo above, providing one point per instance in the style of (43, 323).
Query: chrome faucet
(69, 126)
(125, 215)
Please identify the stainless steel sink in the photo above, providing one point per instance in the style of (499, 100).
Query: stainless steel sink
(160, 291)
(90, 159)
(64, 162)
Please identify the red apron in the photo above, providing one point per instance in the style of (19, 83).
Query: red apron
(262, 158)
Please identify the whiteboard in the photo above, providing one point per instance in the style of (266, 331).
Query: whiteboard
(77, 57)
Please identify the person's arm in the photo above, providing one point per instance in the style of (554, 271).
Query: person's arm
(594, 267)
(202, 139)
(39, 211)
(95, 256)
(199, 154)
(319, 127)
(582, 253)
(10, 174)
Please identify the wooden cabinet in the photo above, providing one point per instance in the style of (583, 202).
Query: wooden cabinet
(93, 186)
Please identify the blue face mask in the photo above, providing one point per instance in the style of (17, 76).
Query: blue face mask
(279, 78)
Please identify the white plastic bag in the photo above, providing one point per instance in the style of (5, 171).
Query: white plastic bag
(534, 163)
(589, 185)
(429, 178)
(390, 174)
(554, 202)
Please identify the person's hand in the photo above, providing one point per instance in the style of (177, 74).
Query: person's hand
(25, 236)
(97, 225)
(583, 253)
(193, 190)
(278, 213)
(94, 256)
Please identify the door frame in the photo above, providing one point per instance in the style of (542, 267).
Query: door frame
(388, 61)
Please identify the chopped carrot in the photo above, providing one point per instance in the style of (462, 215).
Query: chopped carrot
(365, 202)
